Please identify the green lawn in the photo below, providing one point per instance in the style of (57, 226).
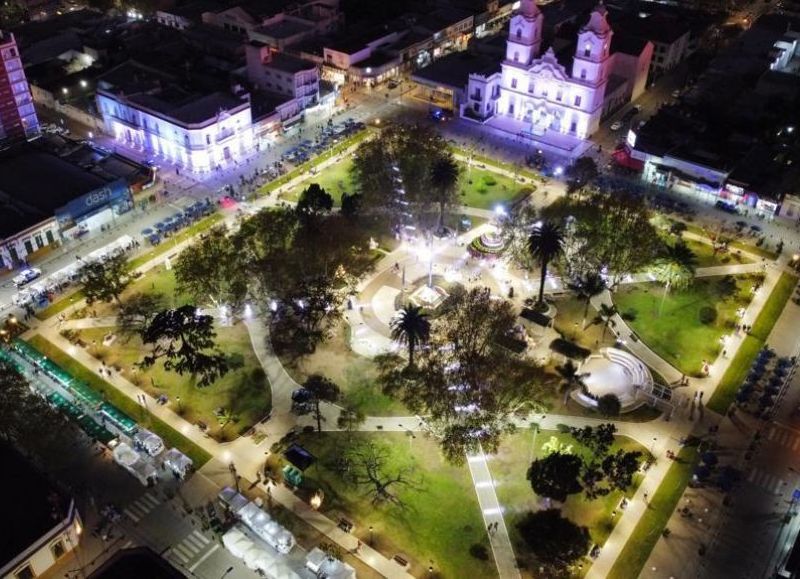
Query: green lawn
(525, 172)
(441, 518)
(772, 310)
(310, 164)
(170, 436)
(168, 245)
(244, 389)
(484, 189)
(479, 188)
(636, 551)
(335, 179)
(725, 393)
(676, 332)
(758, 250)
(704, 252)
(509, 468)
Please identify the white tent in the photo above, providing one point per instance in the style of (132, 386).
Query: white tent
(149, 442)
(131, 461)
(178, 462)
(323, 565)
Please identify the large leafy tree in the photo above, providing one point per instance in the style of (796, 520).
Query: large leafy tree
(570, 378)
(394, 171)
(545, 244)
(555, 540)
(556, 476)
(674, 268)
(314, 202)
(581, 173)
(322, 390)
(211, 270)
(515, 230)
(184, 339)
(444, 182)
(607, 231)
(137, 311)
(467, 384)
(411, 327)
(104, 281)
(26, 420)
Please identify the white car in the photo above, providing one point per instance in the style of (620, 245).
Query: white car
(26, 276)
(676, 93)
(616, 125)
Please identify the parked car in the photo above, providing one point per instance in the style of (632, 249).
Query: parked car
(616, 125)
(26, 276)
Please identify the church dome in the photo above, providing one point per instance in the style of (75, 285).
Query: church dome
(598, 21)
(529, 9)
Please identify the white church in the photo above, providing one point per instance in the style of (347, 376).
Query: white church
(535, 96)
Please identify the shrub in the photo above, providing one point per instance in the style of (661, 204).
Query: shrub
(489, 181)
(707, 315)
(257, 375)
(608, 405)
(479, 551)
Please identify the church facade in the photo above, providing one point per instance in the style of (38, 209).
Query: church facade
(534, 91)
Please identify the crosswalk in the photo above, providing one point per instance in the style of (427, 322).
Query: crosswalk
(141, 507)
(784, 437)
(195, 545)
(765, 480)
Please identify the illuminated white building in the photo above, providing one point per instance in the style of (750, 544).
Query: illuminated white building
(535, 94)
(150, 110)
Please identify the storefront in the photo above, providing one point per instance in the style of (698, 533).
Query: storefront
(94, 210)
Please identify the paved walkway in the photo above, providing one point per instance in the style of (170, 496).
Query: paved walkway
(492, 512)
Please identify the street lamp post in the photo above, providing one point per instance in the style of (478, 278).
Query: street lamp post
(227, 572)
(371, 536)
(178, 400)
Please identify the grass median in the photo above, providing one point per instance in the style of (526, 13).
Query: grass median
(652, 523)
(740, 365)
(169, 435)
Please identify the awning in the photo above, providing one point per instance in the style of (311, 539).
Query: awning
(622, 157)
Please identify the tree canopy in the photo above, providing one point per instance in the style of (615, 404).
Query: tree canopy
(104, 281)
(184, 340)
(556, 476)
(555, 540)
(467, 383)
(606, 231)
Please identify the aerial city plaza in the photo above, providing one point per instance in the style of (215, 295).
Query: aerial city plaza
(446, 289)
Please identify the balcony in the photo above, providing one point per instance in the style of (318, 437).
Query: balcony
(132, 123)
(224, 135)
(476, 96)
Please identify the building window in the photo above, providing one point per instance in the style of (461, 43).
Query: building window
(39, 245)
(57, 549)
(513, 83)
(49, 235)
(208, 139)
(510, 108)
(25, 572)
(583, 74)
(516, 57)
(587, 49)
(559, 95)
(578, 101)
(573, 127)
(519, 33)
(476, 107)
(28, 246)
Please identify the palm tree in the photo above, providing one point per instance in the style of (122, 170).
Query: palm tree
(225, 417)
(675, 269)
(570, 378)
(605, 316)
(411, 327)
(545, 244)
(444, 179)
(588, 286)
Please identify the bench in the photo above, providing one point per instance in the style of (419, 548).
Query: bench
(401, 560)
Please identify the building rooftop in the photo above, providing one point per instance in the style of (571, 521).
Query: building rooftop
(376, 60)
(32, 505)
(442, 18)
(288, 63)
(454, 70)
(161, 93)
(193, 11)
(38, 177)
(136, 563)
(285, 28)
(658, 27)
